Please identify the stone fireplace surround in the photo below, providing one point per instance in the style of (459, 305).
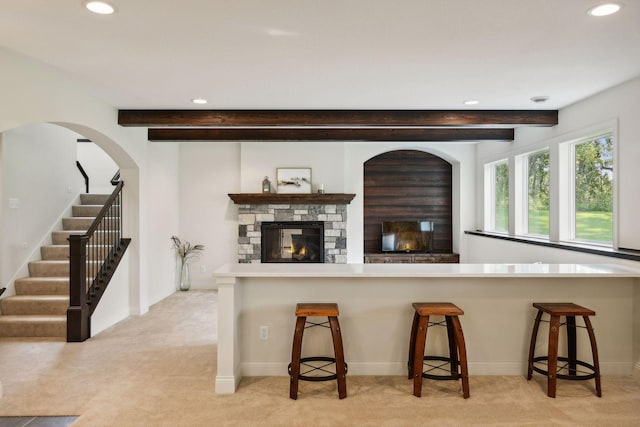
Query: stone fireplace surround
(269, 208)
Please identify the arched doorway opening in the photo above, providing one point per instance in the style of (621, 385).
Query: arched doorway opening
(38, 173)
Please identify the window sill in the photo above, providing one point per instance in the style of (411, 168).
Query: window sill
(629, 254)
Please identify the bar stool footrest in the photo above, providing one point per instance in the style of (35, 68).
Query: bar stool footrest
(442, 377)
(573, 377)
(329, 377)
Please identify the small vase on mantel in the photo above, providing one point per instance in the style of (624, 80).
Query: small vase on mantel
(185, 277)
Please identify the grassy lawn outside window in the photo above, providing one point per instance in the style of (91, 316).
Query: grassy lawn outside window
(538, 193)
(593, 193)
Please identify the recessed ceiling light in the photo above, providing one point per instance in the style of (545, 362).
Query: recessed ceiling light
(199, 101)
(471, 102)
(540, 99)
(604, 9)
(101, 7)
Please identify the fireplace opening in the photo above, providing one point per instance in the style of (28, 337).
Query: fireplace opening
(292, 241)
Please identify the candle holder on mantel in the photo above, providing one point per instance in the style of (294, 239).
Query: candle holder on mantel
(320, 189)
(266, 185)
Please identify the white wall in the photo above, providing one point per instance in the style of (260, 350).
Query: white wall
(163, 187)
(208, 172)
(35, 94)
(98, 166)
(39, 172)
(114, 305)
(260, 159)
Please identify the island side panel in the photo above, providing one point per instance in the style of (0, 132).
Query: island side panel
(229, 371)
(375, 317)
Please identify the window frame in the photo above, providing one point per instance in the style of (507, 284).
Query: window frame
(569, 149)
(523, 200)
(490, 196)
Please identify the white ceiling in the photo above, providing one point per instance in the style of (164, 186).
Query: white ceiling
(402, 54)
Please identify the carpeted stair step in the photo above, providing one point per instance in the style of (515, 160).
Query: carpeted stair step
(61, 252)
(54, 252)
(94, 199)
(77, 223)
(85, 210)
(61, 237)
(33, 326)
(42, 286)
(35, 304)
(56, 268)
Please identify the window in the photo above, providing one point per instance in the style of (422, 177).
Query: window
(592, 198)
(497, 190)
(564, 192)
(537, 179)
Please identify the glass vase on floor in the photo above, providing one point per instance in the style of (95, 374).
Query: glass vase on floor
(185, 278)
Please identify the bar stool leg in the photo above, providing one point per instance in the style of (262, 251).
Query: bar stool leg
(412, 344)
(418, 355)
(341, 371)
(594, 351)
(532, 346)
(462, 351)
(554, 326)
(453, 348)
(571, 344)
(295, 357)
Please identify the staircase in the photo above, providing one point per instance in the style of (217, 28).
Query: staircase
(39, 308)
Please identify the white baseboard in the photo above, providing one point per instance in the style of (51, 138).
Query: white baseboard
(258, 369)
(226, 384)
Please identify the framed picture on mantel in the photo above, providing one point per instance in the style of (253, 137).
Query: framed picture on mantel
(293, 180)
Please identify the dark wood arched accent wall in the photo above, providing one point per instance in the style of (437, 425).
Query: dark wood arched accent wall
(407, 185)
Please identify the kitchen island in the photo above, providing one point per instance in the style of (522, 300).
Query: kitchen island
(257, 301)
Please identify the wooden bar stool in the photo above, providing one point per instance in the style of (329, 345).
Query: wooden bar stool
(570, 311)
(457, 350)
(303, 311)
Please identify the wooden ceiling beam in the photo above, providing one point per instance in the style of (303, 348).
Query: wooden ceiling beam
(338, 118)
(331, 134)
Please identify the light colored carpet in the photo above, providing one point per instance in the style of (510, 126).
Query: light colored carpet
(159, 370)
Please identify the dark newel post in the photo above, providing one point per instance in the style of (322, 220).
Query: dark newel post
(78, 317)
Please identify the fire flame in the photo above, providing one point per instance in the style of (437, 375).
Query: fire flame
(302, 251)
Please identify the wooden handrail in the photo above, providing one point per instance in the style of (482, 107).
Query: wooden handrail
(93, 259)
(84, 175)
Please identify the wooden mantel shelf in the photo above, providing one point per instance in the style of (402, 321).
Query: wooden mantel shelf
(291, 199)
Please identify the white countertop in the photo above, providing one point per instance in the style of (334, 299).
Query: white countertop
(425, 270)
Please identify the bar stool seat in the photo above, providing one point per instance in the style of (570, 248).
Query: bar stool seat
(329, 310)
(457, 350)
(552, 372)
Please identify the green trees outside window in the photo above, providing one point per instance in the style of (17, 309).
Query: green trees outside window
(594, 190)
(586, 200)
(501, 198)
(538, 193)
